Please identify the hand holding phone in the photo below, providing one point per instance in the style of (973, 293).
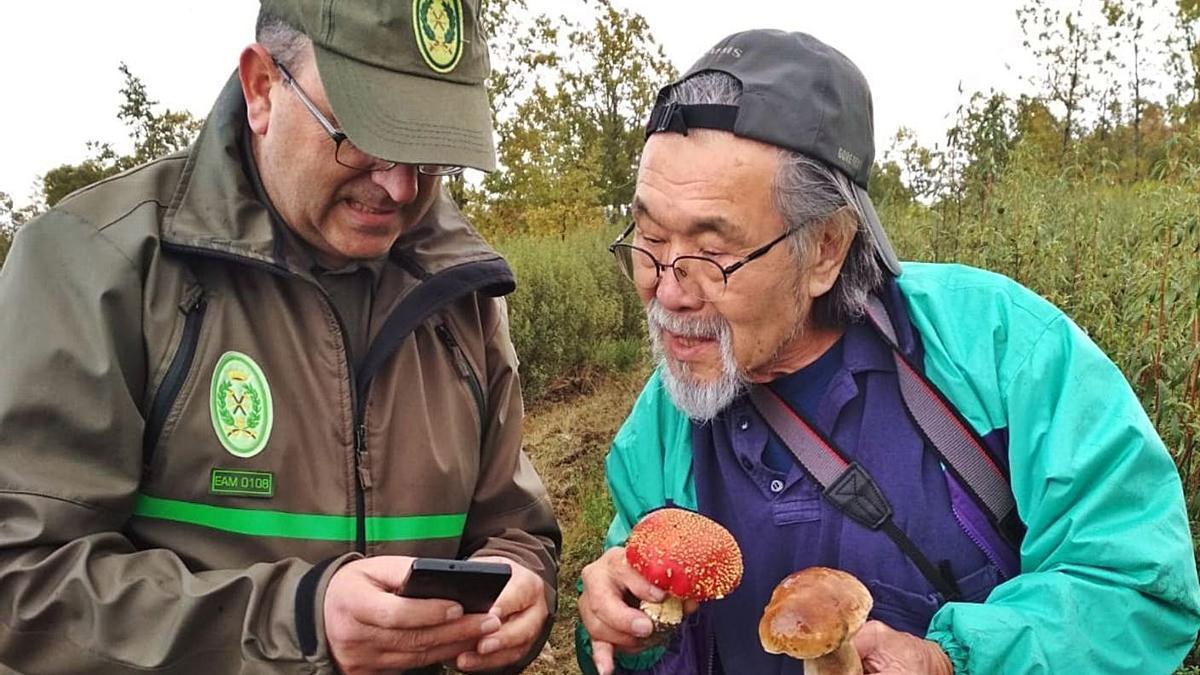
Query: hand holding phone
(473, 584)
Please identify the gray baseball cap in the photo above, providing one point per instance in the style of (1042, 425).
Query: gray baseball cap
(798, 93)
(404, 77)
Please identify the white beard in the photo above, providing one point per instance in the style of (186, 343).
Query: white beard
(701, 401)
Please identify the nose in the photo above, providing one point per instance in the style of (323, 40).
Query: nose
(672, 296)
(400, 182)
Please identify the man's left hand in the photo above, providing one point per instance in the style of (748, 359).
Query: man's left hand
(522, 611)
(885, 651)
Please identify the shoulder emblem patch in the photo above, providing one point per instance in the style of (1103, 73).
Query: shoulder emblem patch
(241, 407)
(438, 25)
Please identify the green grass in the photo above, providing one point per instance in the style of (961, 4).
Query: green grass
(567, 440)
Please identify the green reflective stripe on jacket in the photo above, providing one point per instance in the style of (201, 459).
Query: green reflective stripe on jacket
(263, 523)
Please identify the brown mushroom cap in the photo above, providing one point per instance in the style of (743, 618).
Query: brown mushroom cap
(812, 612)
(685, 553)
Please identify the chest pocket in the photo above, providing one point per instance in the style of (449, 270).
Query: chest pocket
(911, 612)
(466, 373)
(192, 307)
(801, 503)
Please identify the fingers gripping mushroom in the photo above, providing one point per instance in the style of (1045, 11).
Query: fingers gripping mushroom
(812, 615)
(689, 556)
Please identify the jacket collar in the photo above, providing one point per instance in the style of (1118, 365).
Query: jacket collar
(864, 349)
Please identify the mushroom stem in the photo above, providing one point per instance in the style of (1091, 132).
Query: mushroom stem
(669, 611)
(841, 661)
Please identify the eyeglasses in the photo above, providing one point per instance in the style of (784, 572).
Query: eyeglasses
(697, 275)
(345, 151)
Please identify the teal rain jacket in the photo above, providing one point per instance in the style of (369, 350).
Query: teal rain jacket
(1108, 579)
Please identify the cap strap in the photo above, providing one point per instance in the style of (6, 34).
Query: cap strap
(679, 118)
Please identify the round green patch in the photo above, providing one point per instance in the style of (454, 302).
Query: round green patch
(438, 25)
(241, 406)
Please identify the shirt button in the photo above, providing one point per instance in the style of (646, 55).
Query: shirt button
(743, 424)
(747, 464)
(777, 486)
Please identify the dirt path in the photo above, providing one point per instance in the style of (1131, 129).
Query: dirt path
(567, 441)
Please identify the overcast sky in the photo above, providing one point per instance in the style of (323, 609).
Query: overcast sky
(59, 59)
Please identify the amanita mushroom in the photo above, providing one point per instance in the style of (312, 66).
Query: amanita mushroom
(812, 615)
(689, 556)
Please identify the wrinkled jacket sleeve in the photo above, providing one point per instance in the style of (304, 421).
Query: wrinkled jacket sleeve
(75, 594)
(511, 515)
(1108, 582)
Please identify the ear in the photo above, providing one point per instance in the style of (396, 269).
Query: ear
(258, 76)
(833, 243)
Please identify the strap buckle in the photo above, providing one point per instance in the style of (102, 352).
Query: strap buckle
(667, 117)
(857, 495)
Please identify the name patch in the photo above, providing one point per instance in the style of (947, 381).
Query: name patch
(242, 483)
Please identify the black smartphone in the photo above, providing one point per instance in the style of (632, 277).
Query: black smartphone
(471, 583)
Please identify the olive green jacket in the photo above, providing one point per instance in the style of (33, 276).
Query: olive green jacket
(132, 537)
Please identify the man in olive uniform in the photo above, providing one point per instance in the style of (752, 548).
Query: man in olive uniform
(250, 381)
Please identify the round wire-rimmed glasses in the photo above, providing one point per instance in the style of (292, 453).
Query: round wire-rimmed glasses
(697, 275)
(348, 154)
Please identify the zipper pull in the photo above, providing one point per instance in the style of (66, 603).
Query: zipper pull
(460, 361)
(192, 300)
(360, 454)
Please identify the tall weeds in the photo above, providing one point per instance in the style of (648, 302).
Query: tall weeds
(1122, 261)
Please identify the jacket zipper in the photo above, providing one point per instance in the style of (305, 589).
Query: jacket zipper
(193, 307)
(362, 471)
(464, 369)
(984, 548)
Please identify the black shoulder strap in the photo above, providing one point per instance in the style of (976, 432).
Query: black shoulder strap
(951, 437)
(847, 485)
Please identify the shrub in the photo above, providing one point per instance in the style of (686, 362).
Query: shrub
(572, 312)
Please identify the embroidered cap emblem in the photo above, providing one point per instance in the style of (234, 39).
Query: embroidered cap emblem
(438, 25)
(242, 412)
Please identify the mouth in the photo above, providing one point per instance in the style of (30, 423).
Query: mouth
(370, 215)
(687, 347)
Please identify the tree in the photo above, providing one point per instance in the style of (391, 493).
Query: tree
(12, 218)
(1066, 46)
(1184, 62)
(985, 133)
(153, 135)
(570, 99)
(886, 186)
(67, 178)
(1128, 19)
(618, 70)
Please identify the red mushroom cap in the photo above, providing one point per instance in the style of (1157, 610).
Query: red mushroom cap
(685, 554)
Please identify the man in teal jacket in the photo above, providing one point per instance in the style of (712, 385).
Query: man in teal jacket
(760, 258)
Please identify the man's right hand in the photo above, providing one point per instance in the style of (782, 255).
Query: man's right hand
(611, 623)
(371, 629)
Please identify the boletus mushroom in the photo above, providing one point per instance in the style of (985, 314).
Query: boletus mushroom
(688, 555)
(812, 615)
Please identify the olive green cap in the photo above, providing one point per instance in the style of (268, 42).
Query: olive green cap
(405, 78)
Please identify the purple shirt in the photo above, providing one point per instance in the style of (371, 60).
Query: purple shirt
(783, 524)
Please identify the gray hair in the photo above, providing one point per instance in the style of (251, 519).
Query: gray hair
(288, 44)
(806, 192)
